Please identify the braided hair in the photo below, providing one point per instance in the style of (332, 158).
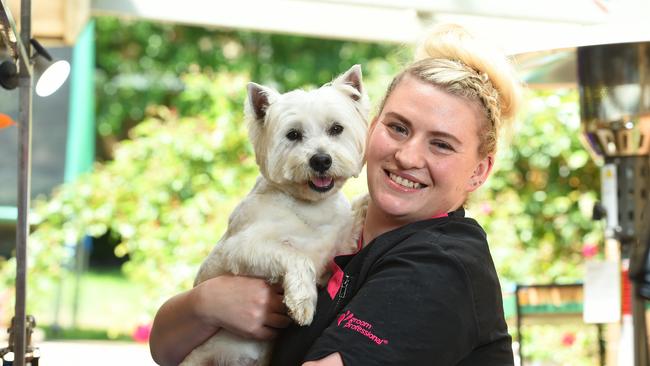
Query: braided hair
(451, 59)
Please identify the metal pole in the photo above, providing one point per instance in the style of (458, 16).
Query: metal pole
(24, 184)
(520, 338)
(639, 329)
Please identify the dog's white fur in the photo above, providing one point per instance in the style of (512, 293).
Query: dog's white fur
(286, 230)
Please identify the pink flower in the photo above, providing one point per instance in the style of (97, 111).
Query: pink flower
(141, 333)
(568, 339)
(486, 208)
(589, 250)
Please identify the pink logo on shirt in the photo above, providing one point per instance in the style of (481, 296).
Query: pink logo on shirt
(360, 326)
(345, 317)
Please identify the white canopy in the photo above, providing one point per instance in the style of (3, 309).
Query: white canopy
(529, 29)
(519, 26)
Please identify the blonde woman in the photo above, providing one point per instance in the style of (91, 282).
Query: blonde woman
(422, 289)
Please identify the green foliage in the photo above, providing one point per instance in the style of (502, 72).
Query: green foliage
(52, 333)
(168, 193)
(563, 344)
(537, 205)
(139, 64)
(109, 305)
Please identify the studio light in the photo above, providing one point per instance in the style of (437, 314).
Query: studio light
(52, 78)
(53, 73)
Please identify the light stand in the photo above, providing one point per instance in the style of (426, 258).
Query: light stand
(20, 47)
(614, 83)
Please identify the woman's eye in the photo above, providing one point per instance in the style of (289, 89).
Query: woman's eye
(294, 135)
(335, 130)
(442, 145)
(398, 128)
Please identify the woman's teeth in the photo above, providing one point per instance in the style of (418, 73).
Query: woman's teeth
(404, 182)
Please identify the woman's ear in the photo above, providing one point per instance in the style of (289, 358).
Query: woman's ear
(481, 173)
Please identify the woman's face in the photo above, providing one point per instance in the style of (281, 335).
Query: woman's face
(422, 157)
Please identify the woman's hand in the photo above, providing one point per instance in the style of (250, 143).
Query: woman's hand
(334, 359)
(249, 307)
(246, 306)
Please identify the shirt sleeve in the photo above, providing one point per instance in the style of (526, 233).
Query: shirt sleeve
(415, 308)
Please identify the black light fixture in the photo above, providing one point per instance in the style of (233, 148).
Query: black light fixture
(8, 74)
(53, 73)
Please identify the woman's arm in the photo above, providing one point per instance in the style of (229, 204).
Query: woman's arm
(333, 359)
(246, 306)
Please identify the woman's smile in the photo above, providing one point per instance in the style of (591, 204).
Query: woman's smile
(404, 182)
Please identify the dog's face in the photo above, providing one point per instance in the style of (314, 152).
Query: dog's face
(309, 142)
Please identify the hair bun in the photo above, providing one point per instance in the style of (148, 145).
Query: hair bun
(454, 42)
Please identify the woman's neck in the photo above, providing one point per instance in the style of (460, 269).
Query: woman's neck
(377, 223)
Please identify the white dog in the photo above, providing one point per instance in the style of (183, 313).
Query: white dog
(307, 144)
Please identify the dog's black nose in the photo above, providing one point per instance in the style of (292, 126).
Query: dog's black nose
(320, 162)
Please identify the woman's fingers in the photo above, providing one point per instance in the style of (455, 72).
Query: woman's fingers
(277, 288)
(278, 321)
(249, 307)
(276, 304)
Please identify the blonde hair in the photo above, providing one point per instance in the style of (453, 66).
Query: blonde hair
(452, 59)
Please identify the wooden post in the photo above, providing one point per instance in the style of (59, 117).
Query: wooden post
(613, 333)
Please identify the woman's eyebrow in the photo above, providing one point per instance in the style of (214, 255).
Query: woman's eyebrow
(399, 117)
(446, 135)
(435, 133)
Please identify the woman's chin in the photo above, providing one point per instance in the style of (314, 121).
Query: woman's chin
(394, 206)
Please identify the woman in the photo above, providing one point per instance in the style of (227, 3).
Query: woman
(423, 288)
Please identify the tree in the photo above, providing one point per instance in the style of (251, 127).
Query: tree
(139, 64)
(537, 205)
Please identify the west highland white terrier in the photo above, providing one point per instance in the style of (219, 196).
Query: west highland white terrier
(287, 229)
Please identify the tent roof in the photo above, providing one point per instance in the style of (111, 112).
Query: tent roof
(532, 30)
(519, 26)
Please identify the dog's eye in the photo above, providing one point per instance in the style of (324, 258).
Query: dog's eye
(335, 130)
(294, 135)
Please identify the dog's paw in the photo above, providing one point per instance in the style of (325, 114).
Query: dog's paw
(302, 313)
(301, 309)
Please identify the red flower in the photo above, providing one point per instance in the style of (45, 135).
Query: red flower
(568, 339)
(141, 333)
(486, 208)
(589, 250)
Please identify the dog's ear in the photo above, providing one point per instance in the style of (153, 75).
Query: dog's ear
(259, 99)
(352, 77)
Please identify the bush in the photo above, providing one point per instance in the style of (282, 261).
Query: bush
(167, 195)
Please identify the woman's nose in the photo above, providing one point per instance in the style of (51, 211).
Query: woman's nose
(410, 155)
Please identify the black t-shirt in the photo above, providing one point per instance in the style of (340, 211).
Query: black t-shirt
(424, 294)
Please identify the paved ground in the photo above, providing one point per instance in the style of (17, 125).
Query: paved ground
(93, 353)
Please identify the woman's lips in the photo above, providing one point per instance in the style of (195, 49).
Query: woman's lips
(404, 182)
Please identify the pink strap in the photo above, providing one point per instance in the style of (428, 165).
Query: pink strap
(334, 284)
